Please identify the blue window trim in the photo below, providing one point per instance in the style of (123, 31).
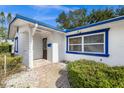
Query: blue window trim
(16, 46)
(106, 54)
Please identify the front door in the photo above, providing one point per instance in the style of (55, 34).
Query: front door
(44, 48)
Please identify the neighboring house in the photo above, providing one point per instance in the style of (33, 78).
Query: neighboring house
(102, 41)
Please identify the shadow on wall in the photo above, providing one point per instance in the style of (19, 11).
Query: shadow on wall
(62, 81)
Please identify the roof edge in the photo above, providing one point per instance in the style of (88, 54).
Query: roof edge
(33, 21)
(96, 24)
(37, 22)
(67, 30)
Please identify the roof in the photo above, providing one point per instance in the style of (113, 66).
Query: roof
(96, 24)
(68, 30)
(34, 21)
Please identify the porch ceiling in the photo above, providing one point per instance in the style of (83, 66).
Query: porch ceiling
(43, 32)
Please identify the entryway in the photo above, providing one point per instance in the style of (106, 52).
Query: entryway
(44, 48)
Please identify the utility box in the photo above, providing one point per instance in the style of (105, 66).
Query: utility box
(55, 54)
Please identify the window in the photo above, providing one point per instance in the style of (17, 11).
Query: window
(16, 44)
(94, 43)
(89, 43)
(75, 44)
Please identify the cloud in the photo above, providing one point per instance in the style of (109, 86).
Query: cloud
(49, 13)
(45, 17)
(56, 7)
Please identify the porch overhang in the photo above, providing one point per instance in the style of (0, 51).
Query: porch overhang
(21, 21)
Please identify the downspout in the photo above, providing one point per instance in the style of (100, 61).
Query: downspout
(34, 29)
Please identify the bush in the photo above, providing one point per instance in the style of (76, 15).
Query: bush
(13, 66)
(5, 47)
(91, 74)
(12, 62)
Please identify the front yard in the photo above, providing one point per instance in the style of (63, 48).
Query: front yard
(13, 65)
(77, 74)
(46, 75)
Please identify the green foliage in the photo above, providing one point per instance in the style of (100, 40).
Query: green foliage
(4, 22)
(120, 11)
(72, 19)
(100, 15)
(5, 47)
(81, 17)
(12, 61)
(91, 74)
(13, 65)
(62, 19)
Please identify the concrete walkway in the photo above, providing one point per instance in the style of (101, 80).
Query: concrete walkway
(44, 75)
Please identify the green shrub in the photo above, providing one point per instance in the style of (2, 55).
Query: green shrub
(13, 66)
(91, 74)
(12, 61)
(5, 47)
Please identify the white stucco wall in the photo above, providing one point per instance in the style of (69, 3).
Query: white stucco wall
(116, 45)
(23, 44)
(59, 39)
(37, 47)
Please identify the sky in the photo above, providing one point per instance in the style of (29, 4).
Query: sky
(46, 13)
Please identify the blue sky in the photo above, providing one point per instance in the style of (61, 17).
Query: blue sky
(45, 13)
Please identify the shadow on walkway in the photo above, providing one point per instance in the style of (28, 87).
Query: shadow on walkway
(62, 81)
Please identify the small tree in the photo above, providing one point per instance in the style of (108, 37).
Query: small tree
(4, 22)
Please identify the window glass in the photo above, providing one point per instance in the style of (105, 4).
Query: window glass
(93, 43)
(75, 48)
(94, 48)
(75, 44)
(76, 40)
(94, 38)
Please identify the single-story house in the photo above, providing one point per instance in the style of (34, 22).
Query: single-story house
(102, 41)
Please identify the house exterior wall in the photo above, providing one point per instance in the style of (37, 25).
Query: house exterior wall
(37, 47)
(23, 44)
(115, 43)
(58, 45)
(57, 51)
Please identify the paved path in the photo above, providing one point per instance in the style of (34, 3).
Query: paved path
(44, 75)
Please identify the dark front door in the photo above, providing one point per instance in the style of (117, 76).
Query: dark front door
(44, 48)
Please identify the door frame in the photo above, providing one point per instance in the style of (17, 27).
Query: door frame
(44, 48)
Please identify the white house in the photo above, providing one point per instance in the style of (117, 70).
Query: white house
(102, 41)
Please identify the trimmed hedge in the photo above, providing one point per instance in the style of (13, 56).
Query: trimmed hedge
(91, 74)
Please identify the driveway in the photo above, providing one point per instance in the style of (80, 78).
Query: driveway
(43, 75)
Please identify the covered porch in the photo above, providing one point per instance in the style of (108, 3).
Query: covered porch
(42, 48)
(36, 40)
